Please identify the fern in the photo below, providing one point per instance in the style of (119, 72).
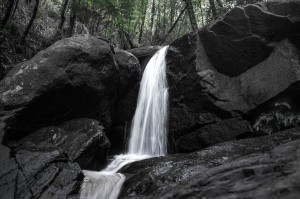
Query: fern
(279, 119)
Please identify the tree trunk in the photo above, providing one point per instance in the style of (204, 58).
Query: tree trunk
(191, 13)
(173, 25)
(62, 14)
(152, 16)
(128, 39)
(201, 11)
(172, 11)
(143, 22)
(72, 18)
(35, 9)
(9, 7)
(164, 26)
(15, 9)
(213, 9)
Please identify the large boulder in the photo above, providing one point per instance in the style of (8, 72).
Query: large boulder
(130, 76)
(249, 177)
(242, 38)
(8, 169)
(83, 140)
(46, 172)
(144, 54)
(189, 107)
(48, 163)
(129, 71)
(262, 82)
(75, 77)
(262, 167)
(234, 68)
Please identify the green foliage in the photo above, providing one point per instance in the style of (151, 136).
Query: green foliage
(279, 119)
(134, 22)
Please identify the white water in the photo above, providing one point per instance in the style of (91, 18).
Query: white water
(147, 136)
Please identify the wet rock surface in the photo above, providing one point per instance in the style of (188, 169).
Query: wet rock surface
(130, 76)
(264, 167)
(211, 134)
(83, 140)
(46, 172)
(48, 163)
(129, 71)
(144, 54)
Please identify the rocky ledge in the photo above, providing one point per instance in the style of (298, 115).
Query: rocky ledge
(264, 167)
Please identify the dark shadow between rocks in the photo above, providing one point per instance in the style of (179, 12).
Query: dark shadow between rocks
(55, 107)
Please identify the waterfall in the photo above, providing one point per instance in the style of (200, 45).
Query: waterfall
(148, 135)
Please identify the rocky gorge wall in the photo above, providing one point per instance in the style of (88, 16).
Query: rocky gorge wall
(71, 106)
(237, 67)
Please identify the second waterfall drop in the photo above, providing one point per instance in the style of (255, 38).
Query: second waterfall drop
(148, 135)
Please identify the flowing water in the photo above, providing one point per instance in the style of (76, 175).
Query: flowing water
(147, 136)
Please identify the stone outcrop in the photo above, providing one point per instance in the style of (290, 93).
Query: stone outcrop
(265, 167)
(235, 67)
(56, 111)
(144, 54)
(48, 163)
(73, 78)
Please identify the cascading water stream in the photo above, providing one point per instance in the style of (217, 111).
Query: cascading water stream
(148, 135)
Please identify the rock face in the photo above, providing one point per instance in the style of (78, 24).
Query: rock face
(129, 69)
(54, 109)
(235, 67)
(213, 133)
(130, 76)
(241, 39)
(45, 172)
(48, 163)
(144, 54)
(257, 85)
(83, 140)
(73, 78)
(249, 168)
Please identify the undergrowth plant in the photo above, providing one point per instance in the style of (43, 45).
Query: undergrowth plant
(282, 117)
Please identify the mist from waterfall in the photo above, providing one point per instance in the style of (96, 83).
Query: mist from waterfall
(148, 135)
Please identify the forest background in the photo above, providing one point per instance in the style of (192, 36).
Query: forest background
(29, 26)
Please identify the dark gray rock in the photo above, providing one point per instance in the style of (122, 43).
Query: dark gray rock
(129, 69)
(130, 76)
(125, 106)
(46, 172)
(242, 38)
(83, 140)
(259, 84)
(189, 106)
(249, 168)
(211, 134)
(48, 163)
(119, 137)
(246, 52)
(8, 173)
(270, 75)
(2, 132)
(73, 78)
(268, 175)
(144, 54)
(120, 130)
(289, 9)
